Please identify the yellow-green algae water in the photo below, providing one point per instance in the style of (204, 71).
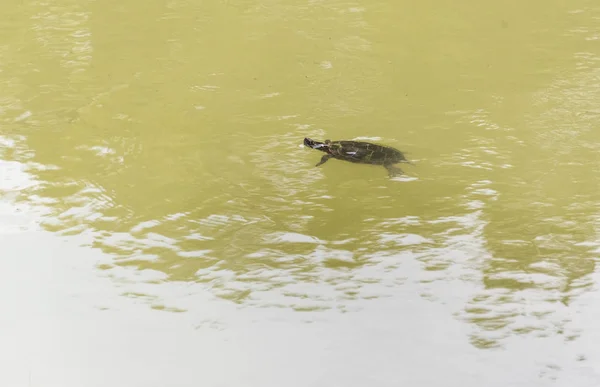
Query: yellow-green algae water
(161, 223)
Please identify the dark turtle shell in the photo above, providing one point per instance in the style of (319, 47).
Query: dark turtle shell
(364, 152)
(359, 152)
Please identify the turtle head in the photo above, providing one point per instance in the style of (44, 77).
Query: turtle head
(322, 146)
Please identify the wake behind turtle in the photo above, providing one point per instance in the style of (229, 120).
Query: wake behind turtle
(360, 152)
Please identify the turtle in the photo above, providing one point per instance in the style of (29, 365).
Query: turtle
(359, 152)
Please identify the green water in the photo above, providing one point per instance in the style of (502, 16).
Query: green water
(162, 225)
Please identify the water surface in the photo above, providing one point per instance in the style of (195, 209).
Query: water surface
(162, 224)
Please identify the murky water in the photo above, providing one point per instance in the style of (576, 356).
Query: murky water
(161, 223)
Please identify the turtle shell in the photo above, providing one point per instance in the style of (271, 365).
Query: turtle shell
(364, 152)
